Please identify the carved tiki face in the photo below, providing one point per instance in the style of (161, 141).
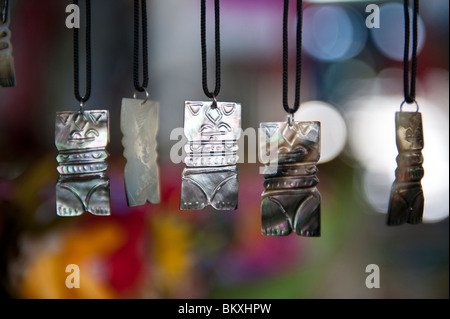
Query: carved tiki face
(77, 131)
(284, 143)
(206, 123)
(409, 131)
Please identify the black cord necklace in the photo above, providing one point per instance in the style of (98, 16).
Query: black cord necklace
(410, 84)
(139, 122)
(290, 151)
(286, 106)
(81, 138)
(83, 99)
(212, 130)
(137, 86)
(211, 95)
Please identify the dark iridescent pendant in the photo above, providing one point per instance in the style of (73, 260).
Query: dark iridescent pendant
(211, 175)
(83, 186)
(290, 201)
(407, 200)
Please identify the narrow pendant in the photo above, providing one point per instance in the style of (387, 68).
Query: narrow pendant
(407, 200)
(81, 138)
(139, 125)
(290, 201)
(7, 73)
(211, 176)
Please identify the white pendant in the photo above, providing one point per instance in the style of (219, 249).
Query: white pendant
(139, 125)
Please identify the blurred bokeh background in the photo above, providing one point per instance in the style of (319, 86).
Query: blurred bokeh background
(351, 81)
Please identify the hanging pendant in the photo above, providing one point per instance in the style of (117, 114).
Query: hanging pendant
(290, 201)
(7, 73)
(407, 200)
(81, 138)
(211, 176)
(139, 125)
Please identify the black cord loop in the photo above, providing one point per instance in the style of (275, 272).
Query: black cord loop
(211, 95)
(286, 56)
(143, 8)
(410, 84)
(83, 99)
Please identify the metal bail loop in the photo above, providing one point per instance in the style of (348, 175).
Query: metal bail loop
(290, 119)
(146, 96)
(82, 106)
(404, 102)
(214, 104)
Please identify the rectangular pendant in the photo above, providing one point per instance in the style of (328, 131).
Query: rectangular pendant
(406, 200)
(290, 201)
(211, 175)
(7, 73)
(83, 186)
(139, 125)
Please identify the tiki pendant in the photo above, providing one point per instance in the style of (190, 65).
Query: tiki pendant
(139, 125)
(83, 186)
(211, 176)
(290, 201)
(406, 201)
(7, 73)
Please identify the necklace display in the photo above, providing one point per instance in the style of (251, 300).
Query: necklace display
(406, 202)
(81, 138)
(7, 73)
(212, 129)
(139, 125)
(290, 201)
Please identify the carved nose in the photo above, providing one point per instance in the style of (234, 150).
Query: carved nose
(214, 115)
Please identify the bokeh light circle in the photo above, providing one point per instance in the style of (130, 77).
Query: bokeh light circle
(371, 124)
(333, 127)
(390, 37)
(333, 33)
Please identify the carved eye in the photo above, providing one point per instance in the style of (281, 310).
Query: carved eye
(194, 108)
(76, 135)
(409, 133)
(92, 133)
(228, 109)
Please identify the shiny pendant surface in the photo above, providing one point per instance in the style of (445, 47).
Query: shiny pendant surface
(211, 175)
(139, 125)
(290, 201)
(7, 73)
(407, 201)
(83, 186)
